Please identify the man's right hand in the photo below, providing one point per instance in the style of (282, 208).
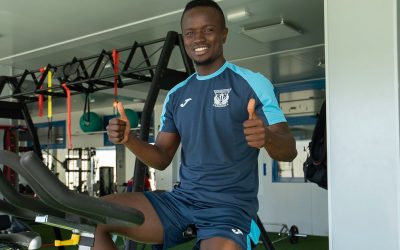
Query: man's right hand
(118, 129)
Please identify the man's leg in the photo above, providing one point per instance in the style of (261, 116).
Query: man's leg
(219, 243)
(151, 231)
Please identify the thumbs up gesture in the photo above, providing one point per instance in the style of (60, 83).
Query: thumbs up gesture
(251, 109)
(254, 128)
(118, 129)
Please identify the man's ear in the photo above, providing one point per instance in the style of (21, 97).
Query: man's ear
(225, 34)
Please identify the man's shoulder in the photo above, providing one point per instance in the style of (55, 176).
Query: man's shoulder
(249, 75)
(245, 72)
(181, 84)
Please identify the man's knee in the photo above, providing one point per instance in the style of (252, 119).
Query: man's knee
(219, 243)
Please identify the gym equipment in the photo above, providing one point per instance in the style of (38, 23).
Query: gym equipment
(66, 209)
(12, 237)
(285, 233)
(268, 244)
(85, 75)
(19, 111)
(133, 117)
(90, 122)
(294, 234)
(9, 239)
(80, 169)
(106, 180)
(27, 240)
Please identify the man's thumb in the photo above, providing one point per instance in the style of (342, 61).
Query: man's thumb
(123, 117)
(121, 111)
(251, 108)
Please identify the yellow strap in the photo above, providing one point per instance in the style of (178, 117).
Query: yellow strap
(49, 101)
(71, 242)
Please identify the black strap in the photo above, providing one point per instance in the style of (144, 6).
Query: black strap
(86, 109)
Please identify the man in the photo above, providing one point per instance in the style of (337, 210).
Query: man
(222, 116)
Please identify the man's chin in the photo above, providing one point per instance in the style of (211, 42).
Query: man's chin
(203, 62)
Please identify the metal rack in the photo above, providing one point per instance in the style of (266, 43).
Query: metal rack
(87, 75)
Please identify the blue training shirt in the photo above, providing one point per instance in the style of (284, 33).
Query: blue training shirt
(217, 165)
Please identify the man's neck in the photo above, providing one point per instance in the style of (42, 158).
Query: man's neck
(208, 69)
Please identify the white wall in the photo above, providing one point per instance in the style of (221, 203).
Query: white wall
(302, 204)
(363, 123)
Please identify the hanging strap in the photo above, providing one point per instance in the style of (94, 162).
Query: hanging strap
(49, 106)
(64, 85)
(86, 110)
(40, 97)
(40, 105)
(115, 57)
(49, 99)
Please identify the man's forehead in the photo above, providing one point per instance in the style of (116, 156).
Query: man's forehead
(204, 11)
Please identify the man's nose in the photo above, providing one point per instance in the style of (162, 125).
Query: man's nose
(199, 36)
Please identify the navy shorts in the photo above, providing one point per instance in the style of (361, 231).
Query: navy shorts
(177, 213)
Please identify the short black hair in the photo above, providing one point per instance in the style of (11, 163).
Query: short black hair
(204, 3)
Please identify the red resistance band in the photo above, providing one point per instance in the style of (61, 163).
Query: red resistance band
(40, 97)
(40, 105)
(115, 56)
(64, 85)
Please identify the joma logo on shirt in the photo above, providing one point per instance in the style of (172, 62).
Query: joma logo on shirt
(185, 102)
(237, 231)
(221, 98)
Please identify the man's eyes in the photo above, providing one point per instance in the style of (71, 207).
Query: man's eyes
(189, 33)
(206, 30)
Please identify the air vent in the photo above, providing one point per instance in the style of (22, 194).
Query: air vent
(271, 32)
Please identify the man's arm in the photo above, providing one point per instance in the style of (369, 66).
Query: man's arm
(157, 156)
(276, 138)
(280, 143)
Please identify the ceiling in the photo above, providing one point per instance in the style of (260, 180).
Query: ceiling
(36, 33)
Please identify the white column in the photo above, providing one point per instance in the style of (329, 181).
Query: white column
(363, 123)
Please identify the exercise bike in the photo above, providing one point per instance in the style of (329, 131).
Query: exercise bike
(14, 234)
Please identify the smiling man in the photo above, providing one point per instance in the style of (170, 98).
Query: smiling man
(222, 116)
(204, 36)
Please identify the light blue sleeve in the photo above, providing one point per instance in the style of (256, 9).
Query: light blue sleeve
(264, 90)
(265, 93)
(167, 123)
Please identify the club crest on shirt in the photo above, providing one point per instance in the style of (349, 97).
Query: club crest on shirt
(221, 98)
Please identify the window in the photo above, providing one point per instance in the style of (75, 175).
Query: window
(80, 169)
(51, 135)
(293, 171)
(300, 102)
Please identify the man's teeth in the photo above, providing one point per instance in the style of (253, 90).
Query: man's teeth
(200, 49)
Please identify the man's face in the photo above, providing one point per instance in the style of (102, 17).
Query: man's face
(204, 35)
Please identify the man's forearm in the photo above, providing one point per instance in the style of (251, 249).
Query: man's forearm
(281, 147)
(149, 154)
